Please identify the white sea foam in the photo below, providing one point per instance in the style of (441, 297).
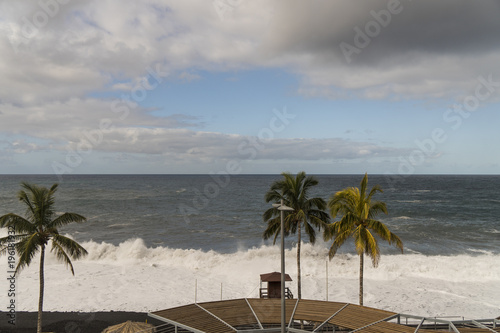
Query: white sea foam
(402, 217)
(133, 277)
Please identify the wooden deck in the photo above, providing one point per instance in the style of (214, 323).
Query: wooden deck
(257, 314)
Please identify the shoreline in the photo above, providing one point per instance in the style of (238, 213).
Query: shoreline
(71, 322)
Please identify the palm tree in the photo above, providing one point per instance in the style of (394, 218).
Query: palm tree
(308, 213)
(358, 212)
(33, 233)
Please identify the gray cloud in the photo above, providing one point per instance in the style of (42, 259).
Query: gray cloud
(67, 121)
(428, 49)
(188, 145)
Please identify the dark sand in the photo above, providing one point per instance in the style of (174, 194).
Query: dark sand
(70, 322)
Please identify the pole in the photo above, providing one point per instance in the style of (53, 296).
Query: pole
(283, 319)
(195, 290)
(327, 280)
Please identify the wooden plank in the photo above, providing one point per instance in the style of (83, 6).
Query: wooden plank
(192, 316)
(355, 316)
(386, 327)
(218, 317)
(234, 312)
(269, 310)
(317, 311)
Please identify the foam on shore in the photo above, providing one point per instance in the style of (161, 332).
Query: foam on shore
(133, 277)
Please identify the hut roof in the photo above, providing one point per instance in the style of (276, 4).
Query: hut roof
(274, 277)
(130, 327)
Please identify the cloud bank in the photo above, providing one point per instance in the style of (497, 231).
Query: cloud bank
(67, 65)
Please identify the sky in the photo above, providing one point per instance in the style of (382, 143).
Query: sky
(248, 86)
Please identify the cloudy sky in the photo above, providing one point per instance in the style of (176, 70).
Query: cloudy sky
(247, 86)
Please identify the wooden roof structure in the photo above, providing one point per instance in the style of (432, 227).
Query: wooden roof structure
(263, 315)
(274, 277)
(130, 327)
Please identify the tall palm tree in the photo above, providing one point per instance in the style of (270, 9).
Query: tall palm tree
(358, 211)
(33, 233)
(308, 213)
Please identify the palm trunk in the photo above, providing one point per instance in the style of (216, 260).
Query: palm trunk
(361, 261)
(299, 282)
(40, 299)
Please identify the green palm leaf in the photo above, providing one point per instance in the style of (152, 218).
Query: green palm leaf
(358, 211)
(308, 213)
(34, 232)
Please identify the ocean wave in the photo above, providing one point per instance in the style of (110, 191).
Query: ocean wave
(480, 251)
(134, 277)
(118, 225)
(413, 264)
(402, 218)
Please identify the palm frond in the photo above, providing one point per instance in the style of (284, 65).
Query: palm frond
(11, 239)
(27, 248)
(329, 232)
(273, 195)
(371, 247)
(273, 229)
(62, 256)
(33, 232)
(338, 241)
(18, 223)
(310, 232)
(396, 242)
(380, 229)
(75, 250)
(376, 208)
(39, 201)
(30, 209)
(62, 246)
(65, 219)
(373, 191)
(318, 219)
(340, 231)
(316, 203)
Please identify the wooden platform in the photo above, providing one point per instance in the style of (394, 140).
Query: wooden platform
(263, 315)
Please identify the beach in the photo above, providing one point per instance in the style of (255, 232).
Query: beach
(137, 278)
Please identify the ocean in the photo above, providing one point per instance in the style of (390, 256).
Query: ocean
(157, 241)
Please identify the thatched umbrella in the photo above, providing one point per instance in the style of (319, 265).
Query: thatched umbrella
(130, 327)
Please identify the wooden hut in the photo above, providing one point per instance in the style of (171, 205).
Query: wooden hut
(273, 289)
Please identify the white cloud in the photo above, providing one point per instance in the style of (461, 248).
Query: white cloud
(429, 50)
(66, 121)
(426, 50)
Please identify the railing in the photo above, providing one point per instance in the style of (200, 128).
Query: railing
(265, 294)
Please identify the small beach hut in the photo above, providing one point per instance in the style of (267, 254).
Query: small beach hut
(130, 327)
(273, 289)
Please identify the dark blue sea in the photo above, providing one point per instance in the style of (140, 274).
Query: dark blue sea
(432, 214)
